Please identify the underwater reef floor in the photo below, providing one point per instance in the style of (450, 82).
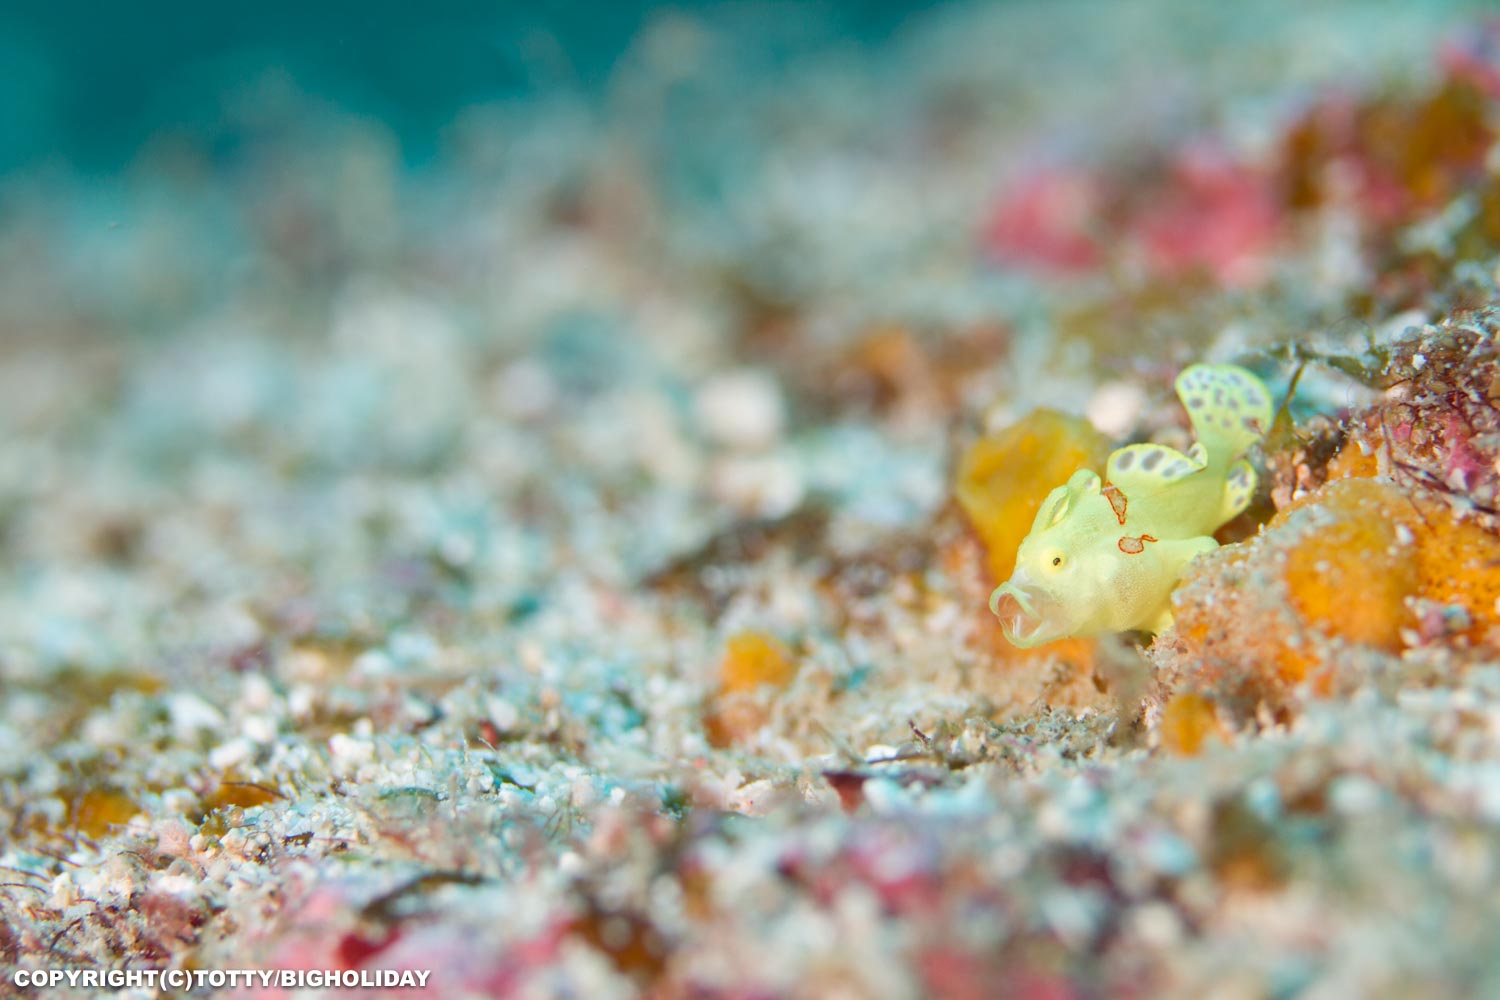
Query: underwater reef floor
(565, 569)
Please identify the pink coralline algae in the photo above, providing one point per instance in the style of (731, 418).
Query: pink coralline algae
(1213, 214)
(1207, 212)
(1048, 220)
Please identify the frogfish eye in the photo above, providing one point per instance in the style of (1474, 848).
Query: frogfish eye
(1057, 560)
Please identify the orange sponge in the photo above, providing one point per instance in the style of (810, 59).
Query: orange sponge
(754, 664)
(752, 659)
(1188, 721)
(1358, 565)
(1351, 573)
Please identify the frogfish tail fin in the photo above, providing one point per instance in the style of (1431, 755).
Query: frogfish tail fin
(1230, 408)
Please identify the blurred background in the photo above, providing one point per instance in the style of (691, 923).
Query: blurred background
(801, 123)
(341, 237)
(90, 85)
(596, 280)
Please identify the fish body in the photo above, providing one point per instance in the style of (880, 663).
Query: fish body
(1104, 554)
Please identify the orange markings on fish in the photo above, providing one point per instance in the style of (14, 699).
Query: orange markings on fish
(1117, 501)
(1134, 546)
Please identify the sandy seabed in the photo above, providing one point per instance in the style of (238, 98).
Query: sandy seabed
(542, 566)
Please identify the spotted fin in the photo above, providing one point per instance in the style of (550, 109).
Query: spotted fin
(1239, 487)
(1150, 467)
(1230, 408)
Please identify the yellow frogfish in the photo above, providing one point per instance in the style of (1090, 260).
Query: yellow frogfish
(1104, 555)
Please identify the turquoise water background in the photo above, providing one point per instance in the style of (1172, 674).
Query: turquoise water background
(88, 85)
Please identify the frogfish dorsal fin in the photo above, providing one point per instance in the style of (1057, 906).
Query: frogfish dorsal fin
(1149, 468)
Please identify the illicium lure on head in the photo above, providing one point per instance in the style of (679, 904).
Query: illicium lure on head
(1104, 555)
